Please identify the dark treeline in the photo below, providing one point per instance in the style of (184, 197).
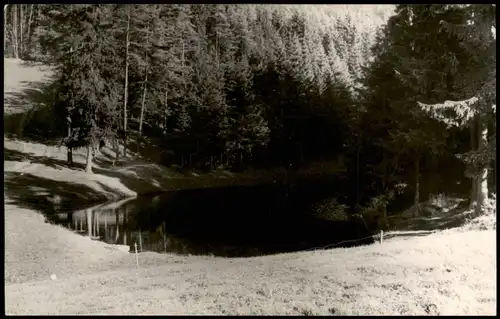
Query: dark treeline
(279, 86)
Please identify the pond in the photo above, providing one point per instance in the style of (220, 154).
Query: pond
(231, 221)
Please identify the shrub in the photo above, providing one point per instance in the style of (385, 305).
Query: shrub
(330, 209)
(444, 203)
(373, 213)
(487, 221)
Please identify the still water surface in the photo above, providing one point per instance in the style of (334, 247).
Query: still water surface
(230, 221)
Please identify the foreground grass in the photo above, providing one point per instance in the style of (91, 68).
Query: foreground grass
(449, 273)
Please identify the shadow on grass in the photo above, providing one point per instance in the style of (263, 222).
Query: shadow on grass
(33, 93)
(136, 183)
(29, 63)
(149, 179)
(440, 221)
(140, 177)
(142, 180)
(13, 155)
(132, 178)
(48, 196)
(30, 116)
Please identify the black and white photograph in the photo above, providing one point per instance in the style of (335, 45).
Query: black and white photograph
(250, 159)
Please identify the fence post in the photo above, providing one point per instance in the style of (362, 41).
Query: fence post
(381, 236)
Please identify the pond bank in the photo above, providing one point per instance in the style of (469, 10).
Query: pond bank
(30, 163)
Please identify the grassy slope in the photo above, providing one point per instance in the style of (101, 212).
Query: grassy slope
(451, 272)
(19, 77)
(432, 274)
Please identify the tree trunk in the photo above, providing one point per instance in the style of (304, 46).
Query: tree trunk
(88, 167)
(30, 19)
(117, 219)
(94, 224)
(69, 149)
(384, 208)
(141, 119)
(69, 155)
(70, 220)
(140, 240)
(125, 95)
(385, 179)
(88, 214)
(417, 187)
(166, 113)
(116, 146)
(21, 23)
(142, 111)
(492, 188)
(482, 181)
(182, 65)
(105, 226)
(14, 32)
(473, 137)
(164, 237)
(358, 149)
(5, 28)
(144, 91)
(125, 225)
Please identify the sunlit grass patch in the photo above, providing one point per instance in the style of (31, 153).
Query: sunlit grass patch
(442, 274)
